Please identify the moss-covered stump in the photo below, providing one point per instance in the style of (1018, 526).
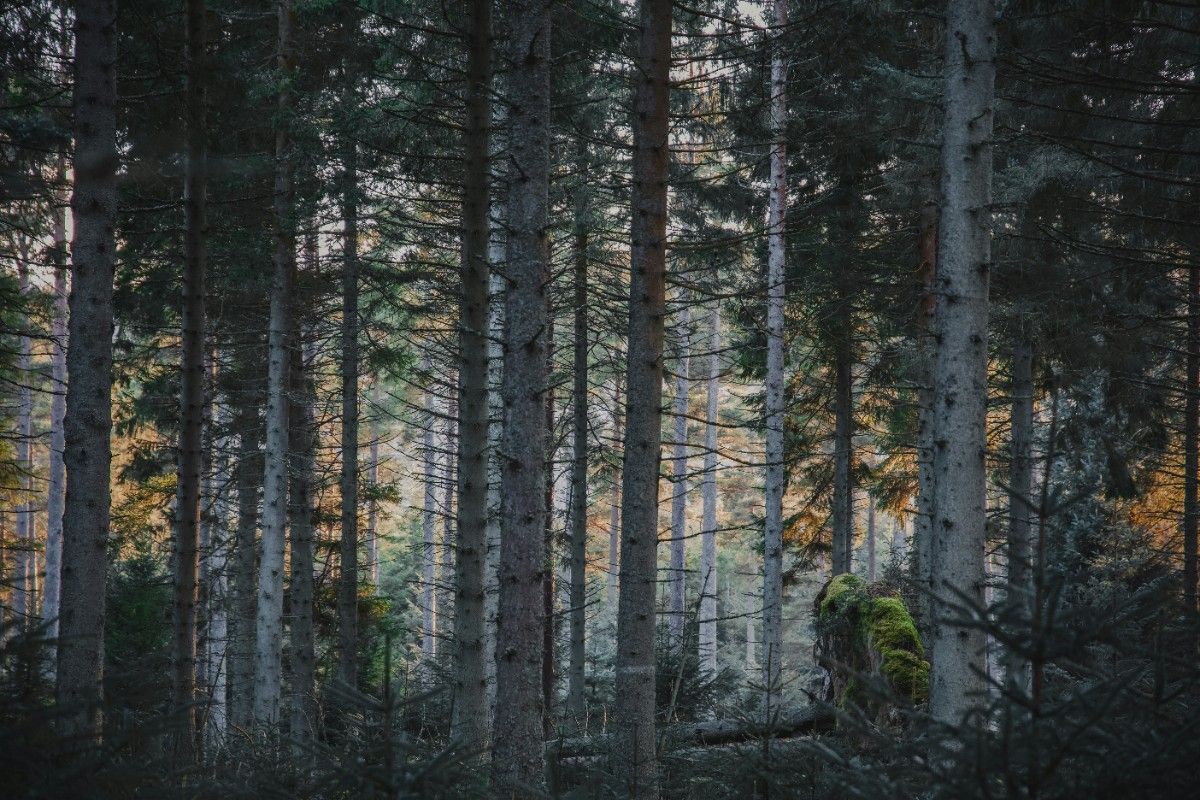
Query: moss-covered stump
(867, 638)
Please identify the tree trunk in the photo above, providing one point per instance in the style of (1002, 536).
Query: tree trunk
(302, 437)
(548, 679)
(679, 470)
(58, 405)
(614, 513)
(708, 544)
(191, 388)
(517, 759)
(495, 433)
(576, 683)
(429, 594)
(1020, 502)
(922, 539)
(445, 578)
(843, 456)
(960, 384)
(216, 572)
(348, 577)
(1191, 434)
(470, 683)
(268, 642)
(372, 532)
(776, 475)
(88, 418)
(635, 750)
(248, 474)
(24, 587)
(870, 539)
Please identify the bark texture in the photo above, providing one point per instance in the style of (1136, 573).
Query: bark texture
(635, 749)
(429, 535)
(1191, 435)
(775, 477)
(960, 378)
(58, 405)
(88, 417)
(268, 640)
(248, 476)
(517, 760)
(679, 475)
(843, 456)
(301, 511)
(614, 510)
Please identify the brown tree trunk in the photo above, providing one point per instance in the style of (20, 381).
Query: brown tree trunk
(636, 765)
(88, 418)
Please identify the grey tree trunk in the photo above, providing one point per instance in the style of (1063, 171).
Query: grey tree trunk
(495, 432)
(216, 573)
(708, 544)
(517, 756)
(679, 472)
(348, 577)
(428, 534)
(614, 513)
(1019, 586)
(58, 406)
(301, 510)
(960, 378)
(469, 723)
(776, 476)
(248, 475)
(88, 417)
(192, 402)
(24, 582)
(445, 579)
(635, 730)
(268, 640)
(920, 564)
(579, 472)
(843, 456)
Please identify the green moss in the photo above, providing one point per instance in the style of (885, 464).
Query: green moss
(892, 632)
(872, 633)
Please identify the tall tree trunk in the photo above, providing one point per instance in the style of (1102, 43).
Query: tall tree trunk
(58, 405)
(920, 564)
(348, 577)
(960, 385)
(1020, 502)
(24, 588)
(870, 539)
(495, 433)
(776, 476)
(679, 490)
(517, 756)
(216, 572)
(614, 512)
(843, 456)
(302, 437)
(191, 387)
(635, 747)
(548, 678)
(708, 543)
(1191, 435)
(88, 418)
(429, 595)
(268, 640)
(248, 475)
(470, 683)
(372, 532)
(579, 469)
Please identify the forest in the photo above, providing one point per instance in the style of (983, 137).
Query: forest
(589, 399)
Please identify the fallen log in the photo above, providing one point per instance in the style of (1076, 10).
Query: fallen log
(787, 724)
